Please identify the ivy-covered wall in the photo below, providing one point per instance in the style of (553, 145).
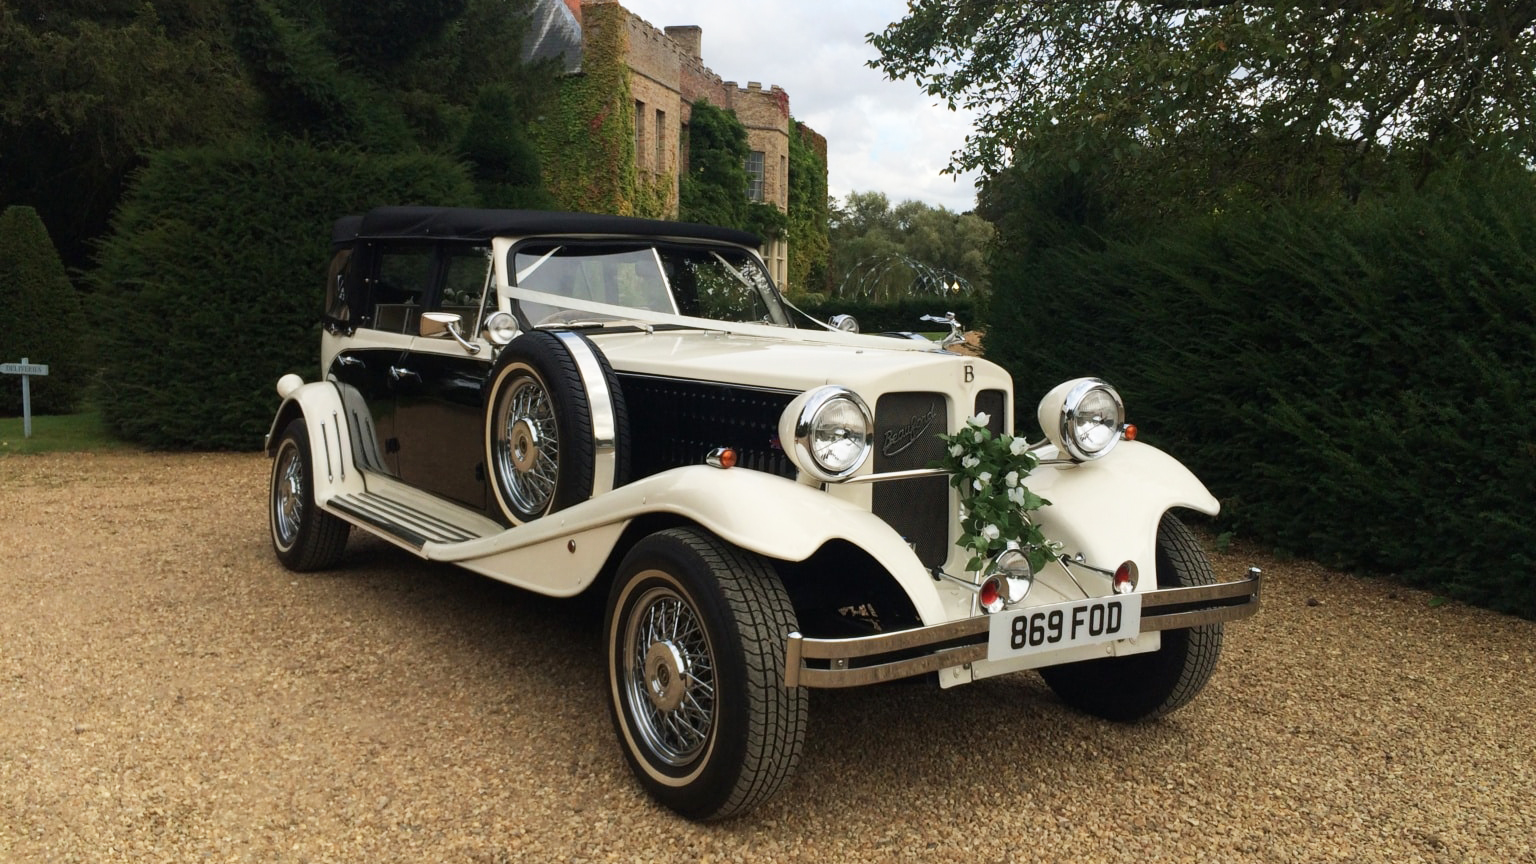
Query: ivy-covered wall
(586, 142)
(598, 155)
(714, 190)
(807, 230)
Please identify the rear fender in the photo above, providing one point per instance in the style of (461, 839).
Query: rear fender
(330, 447)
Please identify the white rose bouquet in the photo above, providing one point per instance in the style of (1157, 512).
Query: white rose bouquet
(995, 505)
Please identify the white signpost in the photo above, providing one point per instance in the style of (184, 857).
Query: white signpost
(26, 371)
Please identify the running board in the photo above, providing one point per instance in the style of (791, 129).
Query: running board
(405, 524)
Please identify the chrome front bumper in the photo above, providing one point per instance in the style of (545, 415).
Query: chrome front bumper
(865, 660)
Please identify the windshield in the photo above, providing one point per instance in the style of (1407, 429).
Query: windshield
(720, 283)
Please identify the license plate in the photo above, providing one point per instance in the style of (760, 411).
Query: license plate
(1063, 625)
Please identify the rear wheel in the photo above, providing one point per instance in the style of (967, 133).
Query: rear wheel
(1143, 686)
(303, 536)
(695, 637)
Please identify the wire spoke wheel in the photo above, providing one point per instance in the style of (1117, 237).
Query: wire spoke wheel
(669, 676)
(526, 444)
(287, 494)
(545, 448)
(695, 633)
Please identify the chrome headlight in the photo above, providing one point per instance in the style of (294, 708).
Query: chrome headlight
(500, 328)
(1083, 418)
(827, 432)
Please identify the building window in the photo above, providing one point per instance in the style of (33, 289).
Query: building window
(661, 140)
(639, 130)
(755, 175)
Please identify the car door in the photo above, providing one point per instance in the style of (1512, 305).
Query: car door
(439, 420)
(395, 282)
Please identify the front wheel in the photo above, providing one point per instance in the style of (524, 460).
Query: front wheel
(1144, 686)
(695, 635)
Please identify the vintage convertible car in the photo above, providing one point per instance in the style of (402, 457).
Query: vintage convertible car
(571, 402)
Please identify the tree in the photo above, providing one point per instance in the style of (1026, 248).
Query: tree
(502, 161)
(41, 317)
(386, 33)
(87, 88)
(1210, 99)
(308, 91)
(890, 252)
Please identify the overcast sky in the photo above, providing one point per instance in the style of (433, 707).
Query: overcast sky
(882, 136)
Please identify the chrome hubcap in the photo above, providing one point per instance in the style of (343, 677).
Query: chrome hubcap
(527, 450)
(669, 676)
(664, 676)
(524, 443)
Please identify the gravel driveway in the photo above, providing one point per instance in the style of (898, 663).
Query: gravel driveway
(169, 693)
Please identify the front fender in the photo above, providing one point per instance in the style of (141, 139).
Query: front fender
(1108, 510)
(561, 553)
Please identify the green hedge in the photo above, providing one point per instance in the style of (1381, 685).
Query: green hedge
(1354, 384)
(40, 318)
(211, 281)
(904, 314)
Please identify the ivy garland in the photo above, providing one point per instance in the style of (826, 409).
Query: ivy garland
(995, 505)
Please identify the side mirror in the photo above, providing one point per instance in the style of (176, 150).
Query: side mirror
(435, 324)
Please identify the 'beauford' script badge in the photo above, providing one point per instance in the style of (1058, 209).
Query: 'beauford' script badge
(904, 436)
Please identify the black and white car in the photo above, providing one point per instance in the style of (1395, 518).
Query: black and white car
(570, 402)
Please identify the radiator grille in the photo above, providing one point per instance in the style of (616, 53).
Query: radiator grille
(906, 430)
(992, 403)
(675, 422)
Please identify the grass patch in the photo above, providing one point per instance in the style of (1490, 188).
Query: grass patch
(65, 433)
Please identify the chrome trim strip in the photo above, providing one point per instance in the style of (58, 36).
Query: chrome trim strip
(863, 675)
(1197, 617)
(1248, 586)
(838, 652)
(337, 420)
(899, 640)
(600, 404)
(896, 475)
(325, 437)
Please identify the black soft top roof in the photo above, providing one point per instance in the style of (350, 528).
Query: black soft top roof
(460, 223)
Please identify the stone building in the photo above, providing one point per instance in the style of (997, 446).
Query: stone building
(666, 76)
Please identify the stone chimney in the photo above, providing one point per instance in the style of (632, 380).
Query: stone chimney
(689, 38)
